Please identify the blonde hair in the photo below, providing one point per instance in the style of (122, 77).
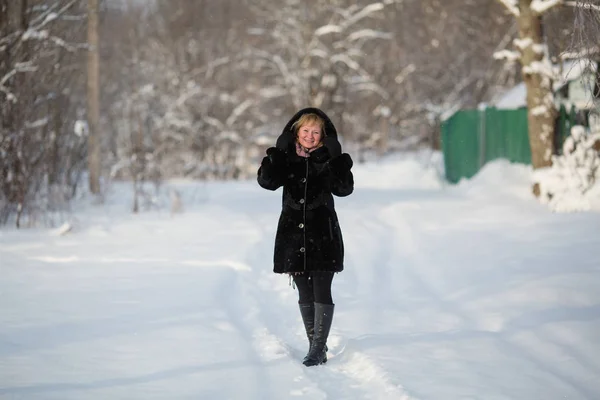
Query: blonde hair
(309, 119)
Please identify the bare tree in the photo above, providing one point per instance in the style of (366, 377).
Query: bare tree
(317, 55)
(382, 74)
(40, 155)
(585, 39)
(198, 88)
(444, 66)
(532, 52)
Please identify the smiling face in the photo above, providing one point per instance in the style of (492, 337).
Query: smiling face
(310, 135)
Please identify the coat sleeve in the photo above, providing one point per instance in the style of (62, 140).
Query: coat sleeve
(273, 169)
(341, 178)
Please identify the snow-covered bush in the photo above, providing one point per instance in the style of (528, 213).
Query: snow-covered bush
(567, 185)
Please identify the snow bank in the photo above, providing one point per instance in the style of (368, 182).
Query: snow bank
(410, 170)
(571, 183)
(499, 177)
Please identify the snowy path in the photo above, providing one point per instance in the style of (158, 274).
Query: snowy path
(447, 294)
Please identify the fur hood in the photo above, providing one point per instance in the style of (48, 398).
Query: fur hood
(286, 140)
(287, 135)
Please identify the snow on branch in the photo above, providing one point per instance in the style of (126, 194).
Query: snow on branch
(541, 6)
(327, 29)
(229, 135)
(191, 91)
(70, 47)
(9, 95)
(50, 17)
(35, 31)
(239, 110)
(36, 124)
(343, 58)
(354, 52)
(522, 44)
(371, 87)
(543, 68)
(272, 92)
(19, 67)
(34, 34)
(50, 14)
(585, 6)
(213, 122)
(365, 12)
(539, 110)
(7, 77)
(404, 73)
(320, 53)
(540, 48)
(288, 77)
(507, 55)
(210, 68)
(511, 5)
(584, 53)
(568, 184)
(351, 20)
(369, 34)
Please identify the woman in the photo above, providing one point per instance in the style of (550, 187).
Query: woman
(307, 161)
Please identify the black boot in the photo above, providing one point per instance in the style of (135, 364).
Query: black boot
(318, 348)
(307, 310)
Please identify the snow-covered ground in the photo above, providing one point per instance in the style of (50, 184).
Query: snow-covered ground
(474, 291)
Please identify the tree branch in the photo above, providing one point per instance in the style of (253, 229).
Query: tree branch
(541, 6)
(365, 12)
(511, 6)
(583, 5)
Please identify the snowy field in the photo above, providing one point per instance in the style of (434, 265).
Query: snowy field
(465, 292)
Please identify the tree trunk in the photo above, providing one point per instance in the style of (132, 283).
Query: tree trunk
(385, 133)
(93, 97)
(540, 99)
(18, 22)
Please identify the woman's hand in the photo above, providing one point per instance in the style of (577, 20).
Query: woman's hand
(272, 171)
(341, 164)
(342, 180)
(277, 157)
(332, 144)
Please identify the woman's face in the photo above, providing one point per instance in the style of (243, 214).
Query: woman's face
(309, 136)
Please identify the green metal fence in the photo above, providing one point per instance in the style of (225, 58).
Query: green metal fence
(471, 138)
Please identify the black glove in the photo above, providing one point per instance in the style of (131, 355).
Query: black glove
(332, 144)
(341, 164)
(285, 141)
(277, 156)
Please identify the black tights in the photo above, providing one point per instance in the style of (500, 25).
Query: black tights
(314, 287)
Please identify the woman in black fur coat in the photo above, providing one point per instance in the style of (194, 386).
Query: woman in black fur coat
(308, 162)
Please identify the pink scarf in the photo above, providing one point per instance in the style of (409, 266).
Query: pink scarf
(302, 152)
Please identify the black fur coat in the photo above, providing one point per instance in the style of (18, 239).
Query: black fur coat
(308, 237)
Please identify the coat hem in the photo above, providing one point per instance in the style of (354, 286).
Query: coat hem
(311, 270)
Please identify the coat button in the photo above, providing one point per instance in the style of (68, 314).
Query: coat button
(302, 249)
(303, 180)
(301, 225)
(301, 201)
